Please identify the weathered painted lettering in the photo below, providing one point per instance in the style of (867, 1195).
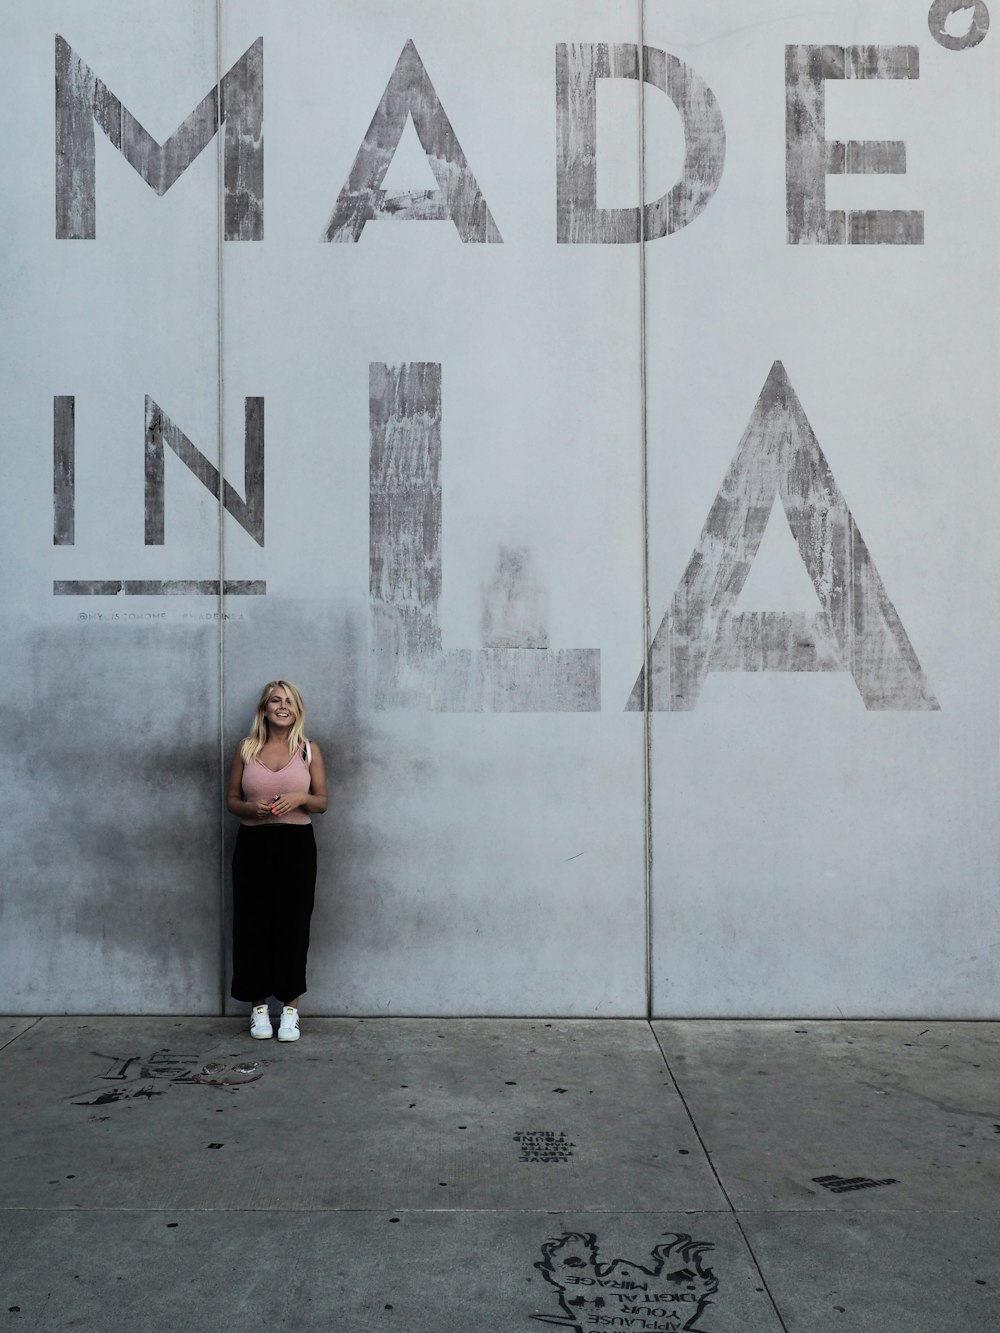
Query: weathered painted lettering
(410, 667)
(578, 68)
(458, 196)
(63, 471)
(160, 431)
(810, 157)
(83, 99)
(857, 629)
(157, 588)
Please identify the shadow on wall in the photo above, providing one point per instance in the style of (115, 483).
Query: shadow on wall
(110, 897)
(116, 895)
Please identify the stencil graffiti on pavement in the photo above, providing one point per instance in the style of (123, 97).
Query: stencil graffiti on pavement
(140, 1078)
(544, 1145)
(667, 1295)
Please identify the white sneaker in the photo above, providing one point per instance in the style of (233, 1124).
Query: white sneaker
(288, 1026)
(260, 1022)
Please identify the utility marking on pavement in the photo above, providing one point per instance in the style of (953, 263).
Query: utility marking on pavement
(544, 1145)
(847, 1184)
(666, 1296)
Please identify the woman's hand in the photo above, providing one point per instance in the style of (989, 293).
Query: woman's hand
(281, 805)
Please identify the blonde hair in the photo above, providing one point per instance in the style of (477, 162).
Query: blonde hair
(257, 739)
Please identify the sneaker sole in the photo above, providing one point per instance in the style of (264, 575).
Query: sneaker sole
(262, 1036)
(293, 1037)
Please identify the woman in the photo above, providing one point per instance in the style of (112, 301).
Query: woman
(276, 781)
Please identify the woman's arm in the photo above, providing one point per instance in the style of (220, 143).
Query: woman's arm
(235, 803)
(315, 799)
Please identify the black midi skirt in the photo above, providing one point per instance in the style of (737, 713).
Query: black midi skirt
(274, 887)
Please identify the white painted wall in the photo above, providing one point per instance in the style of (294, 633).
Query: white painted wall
(504, 828)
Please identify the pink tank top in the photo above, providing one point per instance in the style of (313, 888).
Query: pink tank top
(261, 784)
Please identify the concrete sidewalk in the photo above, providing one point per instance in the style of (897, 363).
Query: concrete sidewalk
(499, 1176)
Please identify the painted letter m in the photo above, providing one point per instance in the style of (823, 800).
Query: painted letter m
(83, 99)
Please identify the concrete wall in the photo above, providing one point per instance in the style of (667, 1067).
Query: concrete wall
(638, 568)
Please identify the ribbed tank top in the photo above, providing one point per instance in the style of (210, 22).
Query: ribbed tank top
(261, 784)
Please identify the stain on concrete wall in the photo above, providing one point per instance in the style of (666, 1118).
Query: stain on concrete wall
(410, 668)
(578, 68)
(515, 603)
(112, 899)
(248, 511)
(410, 93)
(83, 99)
(810, 157)
(857, 629)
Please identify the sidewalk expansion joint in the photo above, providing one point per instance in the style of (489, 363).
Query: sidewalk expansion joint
(718, 1180)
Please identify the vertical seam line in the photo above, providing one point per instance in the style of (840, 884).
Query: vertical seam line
(646, 729)
(220, 412)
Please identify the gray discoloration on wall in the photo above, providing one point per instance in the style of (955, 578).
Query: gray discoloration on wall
(488, 680)
(515, 603)
(83, 99)
(979, 23)
(578, 219)
(114, 904)
(249, 513)
(810, 157)
(857, 629)
(410, 668)
(458, 197)
(158, 588)
(63, 470)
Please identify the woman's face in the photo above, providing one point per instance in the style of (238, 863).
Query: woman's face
(279, 709)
